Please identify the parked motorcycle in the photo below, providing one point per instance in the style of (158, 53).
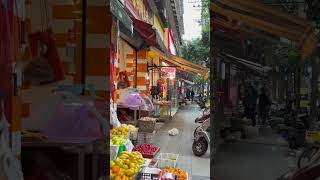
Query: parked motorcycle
(199, 120)
(201, 138)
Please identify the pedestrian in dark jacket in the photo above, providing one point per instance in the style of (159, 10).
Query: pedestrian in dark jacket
(192, 95)
(264, 103)
(250, 101)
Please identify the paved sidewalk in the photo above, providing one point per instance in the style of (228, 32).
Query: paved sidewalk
(197, 167)
(262, 158)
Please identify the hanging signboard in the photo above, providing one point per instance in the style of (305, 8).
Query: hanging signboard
(171, 46)
(118, 11)
(168, 72)
(140, 10)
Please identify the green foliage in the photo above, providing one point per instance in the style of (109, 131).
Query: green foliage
(205, 16)
(196, 51)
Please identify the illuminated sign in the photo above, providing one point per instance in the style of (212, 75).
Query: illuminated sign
(168, 72)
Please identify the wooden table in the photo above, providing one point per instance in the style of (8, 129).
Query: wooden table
(134, 109)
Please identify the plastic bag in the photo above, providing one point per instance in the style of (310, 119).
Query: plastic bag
(173, 132)
(113, 116)
(74, 122)
(38, 70)
(10, 167)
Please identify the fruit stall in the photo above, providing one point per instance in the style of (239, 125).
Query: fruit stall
(143, 160)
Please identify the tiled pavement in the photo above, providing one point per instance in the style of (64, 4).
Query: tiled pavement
(262, 158)
(197, 167)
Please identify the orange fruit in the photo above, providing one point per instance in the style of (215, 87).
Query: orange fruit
(115, 169)
(124, 177)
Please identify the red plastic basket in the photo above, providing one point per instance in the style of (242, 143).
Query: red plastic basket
(151, 155)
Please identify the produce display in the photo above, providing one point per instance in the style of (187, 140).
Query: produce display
(122, 131)
(126, 166)
(147, 150)
(118, 140)
(129, 127)
(182, 175)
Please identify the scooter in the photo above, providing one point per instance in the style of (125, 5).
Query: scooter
(201, 138)
(204, 116)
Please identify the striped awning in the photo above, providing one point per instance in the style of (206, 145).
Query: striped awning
(182, 64)
(270, 20)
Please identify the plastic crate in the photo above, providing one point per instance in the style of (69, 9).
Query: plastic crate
(134, 134)
(147, 126)
(145, 138)
(145, 155)
(148, 174)
(113, 152)
(167, 160)
(312, 136)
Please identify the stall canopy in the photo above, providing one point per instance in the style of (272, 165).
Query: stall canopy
(188, 82)
(263, 70)
(146, 32)
(269, 20)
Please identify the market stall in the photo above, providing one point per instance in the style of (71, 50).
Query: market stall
(142, 160)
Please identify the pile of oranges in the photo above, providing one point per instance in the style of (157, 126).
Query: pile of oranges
(182, 175)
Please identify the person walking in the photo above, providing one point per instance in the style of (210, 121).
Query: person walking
(192, 95)
(264, 103)
(251, 104)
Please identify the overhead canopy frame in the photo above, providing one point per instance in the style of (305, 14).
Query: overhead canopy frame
(270, 20)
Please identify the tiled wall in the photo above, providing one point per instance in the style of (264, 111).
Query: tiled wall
(64, 15)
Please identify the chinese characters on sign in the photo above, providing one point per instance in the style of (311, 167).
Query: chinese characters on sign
(168, 72)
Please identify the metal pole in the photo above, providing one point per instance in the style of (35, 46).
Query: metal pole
(314, 92)
(136, 82)
(84, 43)
(297, 83)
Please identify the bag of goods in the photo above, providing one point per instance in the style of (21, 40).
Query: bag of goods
(182, 175)
(147, 150)
(173, 132)
(167, 176)
(147, 124)
(126, 166)
(149, 173)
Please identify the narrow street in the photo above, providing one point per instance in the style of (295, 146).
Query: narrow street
(198, 168)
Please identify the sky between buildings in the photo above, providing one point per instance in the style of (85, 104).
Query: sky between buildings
(192, 28)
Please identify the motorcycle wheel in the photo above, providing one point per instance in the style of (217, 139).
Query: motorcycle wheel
(195, 131)
(200, 147)
(307, 155)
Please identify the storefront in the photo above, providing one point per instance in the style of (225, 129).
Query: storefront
(69, 91)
